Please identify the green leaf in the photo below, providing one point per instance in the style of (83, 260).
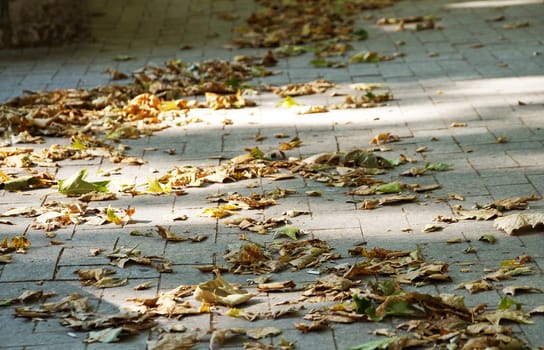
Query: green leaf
(122, 58)
(387, 287)
(234, 82)
(403, 308)
(361, 34)
(77, 144)
(362, 304)
(319, 62)
(6, 302)
(21, 183)
(365, 57)
(76, 185)
(290, 50)
(381, 344)
(489, 238)
(256, 153)
(507, 302)
(437, 166)
(392, 187)
(289, 231)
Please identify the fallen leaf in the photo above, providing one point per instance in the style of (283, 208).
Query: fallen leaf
(512, 290)
(458, 125)
(144, 286)
(489, 238)
(380, 344)
(170, 341)
(432, 228)
(475, 286)
(514, 222)
(516, 25)
(276, 286)
(438, 166)
(314, 326)
(110, 282)
(384, 138)
(517, 203)
(479, 214)
(497, 316)
(219, 291)
(108, 335)
(289, 231)
(76, 185)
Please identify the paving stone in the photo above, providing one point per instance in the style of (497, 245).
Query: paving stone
(479, 86)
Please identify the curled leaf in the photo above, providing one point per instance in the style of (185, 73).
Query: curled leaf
(219, 291)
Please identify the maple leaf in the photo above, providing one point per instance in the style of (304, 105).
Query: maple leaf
(514, 222)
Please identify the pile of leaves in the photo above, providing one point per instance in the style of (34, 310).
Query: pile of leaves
(299, 22)
(125, 111)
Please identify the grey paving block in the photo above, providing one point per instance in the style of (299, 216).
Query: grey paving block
(462, 83)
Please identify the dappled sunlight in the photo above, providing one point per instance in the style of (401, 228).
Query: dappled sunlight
(397, 178)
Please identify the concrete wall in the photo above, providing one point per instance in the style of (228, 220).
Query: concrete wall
(42, 22)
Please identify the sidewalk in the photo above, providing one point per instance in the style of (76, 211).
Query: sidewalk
(471, 92)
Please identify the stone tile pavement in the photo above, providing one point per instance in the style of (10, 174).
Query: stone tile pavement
(443, 78)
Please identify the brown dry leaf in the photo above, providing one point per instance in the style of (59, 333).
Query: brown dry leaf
(219, 291)
(17, 244)
(514, 222)
(512, 290)
(93, 274)
(446, 219)
(5, 258)
(497, 316)
(475, 286)
(387, 200)
(310, 88)
(537, 310)
(115, 74)
(107, 335)
(97, 196)
(143, 286)
(110, 282)
(384, 138)
(418, 188)
(414, 172)
(432, 228)
(216, 101)
(294, 142)
(426, 273)
(480, 214)
(314, 326)
(170, 341)
(169, 235)
(276, 286)
(507, 272)
(516, 203)
(516, 25)
(456, 196)
(28, 312)
(267, 315)
(219, 336)
(458, 125)
(312, 109)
